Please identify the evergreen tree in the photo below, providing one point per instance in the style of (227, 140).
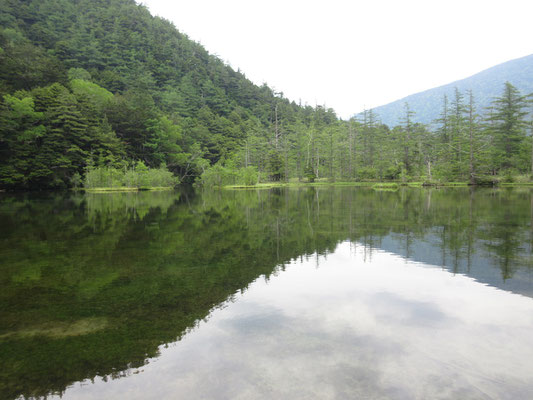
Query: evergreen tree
(509, 127)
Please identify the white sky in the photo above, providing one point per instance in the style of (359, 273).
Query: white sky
(350, 55)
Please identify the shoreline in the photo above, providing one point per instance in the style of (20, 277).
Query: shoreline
(124, 189)
(272, 185)
(374, 185)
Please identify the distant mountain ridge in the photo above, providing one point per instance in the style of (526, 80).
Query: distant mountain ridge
(485, 85)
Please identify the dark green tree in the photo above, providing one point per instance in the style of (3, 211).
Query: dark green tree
(508, 127)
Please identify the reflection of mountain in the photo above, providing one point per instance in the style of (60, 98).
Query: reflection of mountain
(482, 266)
(93, 285)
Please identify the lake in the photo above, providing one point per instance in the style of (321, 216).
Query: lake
(298, 293)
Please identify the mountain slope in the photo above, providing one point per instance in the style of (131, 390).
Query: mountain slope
(103, 82)
(485, 85)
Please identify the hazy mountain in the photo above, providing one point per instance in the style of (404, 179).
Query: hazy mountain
(485, 85)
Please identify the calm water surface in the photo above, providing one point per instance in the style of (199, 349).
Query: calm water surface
(328, 293)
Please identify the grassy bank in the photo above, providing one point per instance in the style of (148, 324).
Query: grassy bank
(375, 185)
(516, 184)
(268, 185)
(125, 189)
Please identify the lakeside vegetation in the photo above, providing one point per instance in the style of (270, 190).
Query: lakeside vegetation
(468, 148)
(126, 189)
(108, 86)
(518, 183)
(376, 185)
(138, 177)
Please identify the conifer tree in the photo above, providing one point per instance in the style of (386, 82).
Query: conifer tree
(509, 126)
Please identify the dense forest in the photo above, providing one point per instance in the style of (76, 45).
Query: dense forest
(101, 87)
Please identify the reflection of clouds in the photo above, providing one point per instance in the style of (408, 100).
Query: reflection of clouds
(349, 329)
(390, 307)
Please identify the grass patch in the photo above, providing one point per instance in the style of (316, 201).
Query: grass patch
(435, 184)
(125, 189)
(452, 184)
(515, 184)
(373, 185)
(268, 185)
(390, 186)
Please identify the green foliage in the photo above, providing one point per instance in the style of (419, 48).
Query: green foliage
(275, 166)
(74, 97)
(508, 176)
(76, 180)
(393, 172)
(96, 95)
(366, 173)
(485, 180)
(310, 174)
(404, 176)
(219, 176)
(78, 74)
(140, 176)
(248, 176)
(508, 127)
(142, 90)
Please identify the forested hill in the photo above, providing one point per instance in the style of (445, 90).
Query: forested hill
(485, 85)
(103, 82)
(100, 93)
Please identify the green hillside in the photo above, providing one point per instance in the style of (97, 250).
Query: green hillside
(103, 82)
(102, 94)
(486, 85)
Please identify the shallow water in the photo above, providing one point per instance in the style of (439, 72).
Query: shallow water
(306, 293)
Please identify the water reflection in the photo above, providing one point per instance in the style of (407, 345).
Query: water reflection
(93, 285)
(379, 329)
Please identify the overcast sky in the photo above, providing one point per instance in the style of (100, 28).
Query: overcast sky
(351, 55)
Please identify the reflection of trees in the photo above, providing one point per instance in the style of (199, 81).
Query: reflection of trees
(504, 231)
(148, 266)
(128, 205)
(460, 222)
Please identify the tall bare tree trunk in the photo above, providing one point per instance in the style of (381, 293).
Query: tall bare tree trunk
(350, 151)
(531, 153)
(471, 132)
(276, 133)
